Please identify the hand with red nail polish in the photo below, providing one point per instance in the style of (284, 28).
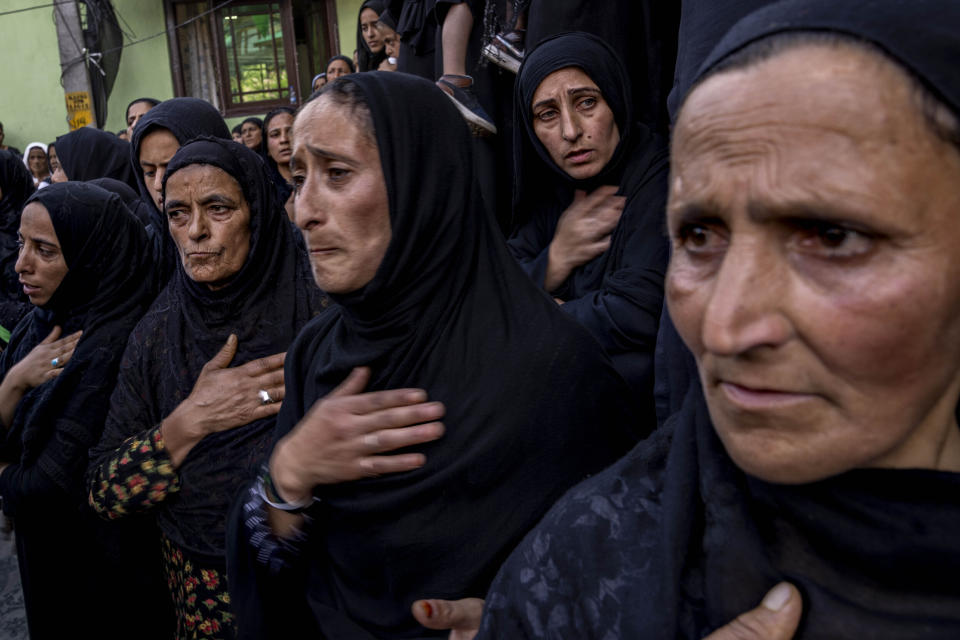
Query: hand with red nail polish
(461, 617)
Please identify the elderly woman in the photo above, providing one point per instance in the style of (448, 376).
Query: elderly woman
(591, 188)
(186, 428)
(85, 264)
(814, 277)
(88, 153)
(430, 306)
(157, 136)
(35, 159)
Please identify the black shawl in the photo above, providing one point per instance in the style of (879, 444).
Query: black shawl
(66, 555)
(89, 153)
(16, 185)
(368, 60)
(134, 202)
(448, 311)
(618, 295)
(265, 304)
(675, 541)
(185, 118)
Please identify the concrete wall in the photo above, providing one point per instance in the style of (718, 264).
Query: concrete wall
(32, 106)
(31, 99)
(348, 11)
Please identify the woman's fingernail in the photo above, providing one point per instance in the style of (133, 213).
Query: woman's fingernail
(777, 597)
(427, 609)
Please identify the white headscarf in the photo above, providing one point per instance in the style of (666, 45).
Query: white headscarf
(26, 154)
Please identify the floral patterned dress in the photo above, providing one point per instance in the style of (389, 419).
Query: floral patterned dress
(138, 478)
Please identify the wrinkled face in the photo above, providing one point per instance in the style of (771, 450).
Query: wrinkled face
(574, 123)
(368, 28)
(134, 113)
(252, 135)
(341, 197)
(37, 161)
(209, 220)
(40, 265)
(156, 150)
(279, 137)
(814, 271)
(336, 69)
(391, 40)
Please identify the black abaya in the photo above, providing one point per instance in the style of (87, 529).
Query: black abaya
(448, 311)
(619, 294)
(16, 185)
(66, 556)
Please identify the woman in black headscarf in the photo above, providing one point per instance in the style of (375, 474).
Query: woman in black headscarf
(86, 264)
(440, 305)
(370, 49)
(88, 153)
(277, 149)
(181, 423)
(251, 131)
(605, 267)
(16, 185)
(814, 278)
(184, 119)
(136, 110)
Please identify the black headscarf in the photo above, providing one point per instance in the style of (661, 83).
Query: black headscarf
(619, 294)
(88, 153)
(284, 189)
(448, 311)
(693, 541)
(265, 305)
(16, 185)
(134, 202)
(185, 118)
(368, 60)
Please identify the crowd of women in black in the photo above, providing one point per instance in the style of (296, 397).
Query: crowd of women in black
(364, 371)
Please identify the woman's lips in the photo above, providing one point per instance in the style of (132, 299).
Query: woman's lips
(29, 290)
(579, 156)
(754, 399)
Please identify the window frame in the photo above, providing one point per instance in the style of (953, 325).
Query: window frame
(288, 34)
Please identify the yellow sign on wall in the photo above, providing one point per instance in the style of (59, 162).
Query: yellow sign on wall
(79, 109)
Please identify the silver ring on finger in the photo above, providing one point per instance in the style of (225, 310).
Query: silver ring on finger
(265, 397)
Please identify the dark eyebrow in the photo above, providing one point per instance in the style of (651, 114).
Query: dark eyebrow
(218, 198)
(575, 91)
(37, 240)
(329, 155)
